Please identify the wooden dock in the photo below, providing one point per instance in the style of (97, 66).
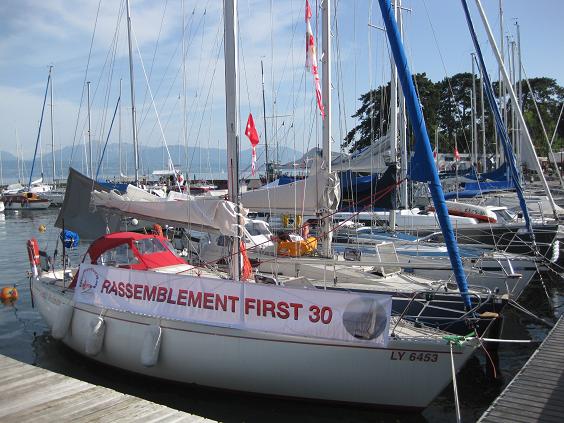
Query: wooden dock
(536, 394)
(30, 393)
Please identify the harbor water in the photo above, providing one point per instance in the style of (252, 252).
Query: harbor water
(25, 337)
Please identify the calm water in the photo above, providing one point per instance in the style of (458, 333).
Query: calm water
(25, 337)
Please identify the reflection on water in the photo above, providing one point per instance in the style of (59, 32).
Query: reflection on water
(25, 337)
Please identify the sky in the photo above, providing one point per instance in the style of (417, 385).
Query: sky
(87, 41)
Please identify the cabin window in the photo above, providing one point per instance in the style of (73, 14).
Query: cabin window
(149, 246)
(122, 255)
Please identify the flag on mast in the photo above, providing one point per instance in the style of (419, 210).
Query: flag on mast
(311, 58)
(252, 134)
(456, 154)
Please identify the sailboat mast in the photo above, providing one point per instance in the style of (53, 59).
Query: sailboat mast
(519, 93)
(326, 98)
(266, 165)
(119, 130)
(393, 128)
(474, 110)
(514, 101)
(132, 88)
(90, 168)
(232, 118)
(483, 125)
(402, 129)
(500, 158)
(39, 130)
(52, 127)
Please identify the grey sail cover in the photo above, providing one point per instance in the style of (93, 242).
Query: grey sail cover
(76, 213)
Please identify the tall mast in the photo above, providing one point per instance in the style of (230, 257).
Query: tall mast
(39, 130)
(132, 87)
(402, 128)
(473, 110)
(483, 126)
(90, 168)
(513, 113)
(499, 157)
(232, 117)
(119, 130)
(266, 165)
(393, 128)
(326, 98)
(513, 96)
(519, 93)
(52, 128)
(184, 107)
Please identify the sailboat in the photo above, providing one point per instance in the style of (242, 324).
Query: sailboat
(29, 198)
(135, 305)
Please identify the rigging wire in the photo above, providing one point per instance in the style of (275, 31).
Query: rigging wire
(85, 79)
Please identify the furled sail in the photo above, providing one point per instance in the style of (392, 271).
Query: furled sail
(423, 166)
(501, 128)
(319, 191)
(176, 209)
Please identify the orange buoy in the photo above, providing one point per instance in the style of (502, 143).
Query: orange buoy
(9, 293)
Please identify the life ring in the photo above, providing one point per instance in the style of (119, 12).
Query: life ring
(33, 252)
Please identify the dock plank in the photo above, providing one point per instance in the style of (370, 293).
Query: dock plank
(536, 393)
(29, 393)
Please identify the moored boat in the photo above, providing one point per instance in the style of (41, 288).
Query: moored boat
(236, 354)
(25, 201)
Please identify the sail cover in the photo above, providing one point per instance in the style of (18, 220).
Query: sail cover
(209, 213)
(318, 192)
(76, 214)
(373, 158)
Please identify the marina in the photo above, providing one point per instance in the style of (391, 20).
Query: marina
(400, 263)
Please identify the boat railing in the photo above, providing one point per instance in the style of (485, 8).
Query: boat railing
(430, 300)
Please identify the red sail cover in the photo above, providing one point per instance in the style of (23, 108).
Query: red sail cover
(147, 251)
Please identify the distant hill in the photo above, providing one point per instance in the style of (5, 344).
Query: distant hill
(202, 162)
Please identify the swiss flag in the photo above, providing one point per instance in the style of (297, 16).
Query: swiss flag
(251, 131)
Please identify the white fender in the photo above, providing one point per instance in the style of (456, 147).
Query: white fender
(151, 346)
(555, 251)
(62, 321)
(95, 339)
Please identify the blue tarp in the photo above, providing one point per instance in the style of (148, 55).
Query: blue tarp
(475, 189)
(114, 186)
(499, 174)
(489, 186)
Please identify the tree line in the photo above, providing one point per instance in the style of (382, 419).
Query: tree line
(447, 107)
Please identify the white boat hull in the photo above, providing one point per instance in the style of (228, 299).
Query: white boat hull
(406, 374)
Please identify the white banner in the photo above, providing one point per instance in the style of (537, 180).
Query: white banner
(344, 316)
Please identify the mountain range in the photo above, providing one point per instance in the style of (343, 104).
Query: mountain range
(202, 162)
